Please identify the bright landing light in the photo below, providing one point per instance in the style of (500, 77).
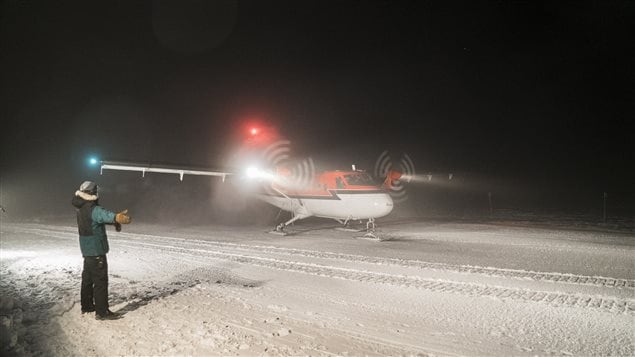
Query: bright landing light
(253, 172)
(256, 173)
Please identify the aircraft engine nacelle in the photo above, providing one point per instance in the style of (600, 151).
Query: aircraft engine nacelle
(391, 177)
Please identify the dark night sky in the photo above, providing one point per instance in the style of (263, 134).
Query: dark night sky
(538, 90)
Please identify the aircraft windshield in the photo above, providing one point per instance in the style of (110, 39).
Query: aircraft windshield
(360, 179)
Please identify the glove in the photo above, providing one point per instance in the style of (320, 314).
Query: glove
(122, 217)
(117, 226)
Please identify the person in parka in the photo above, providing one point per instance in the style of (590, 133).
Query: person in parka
(93, 243)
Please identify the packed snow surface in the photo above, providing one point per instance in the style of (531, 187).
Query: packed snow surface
(428, 288)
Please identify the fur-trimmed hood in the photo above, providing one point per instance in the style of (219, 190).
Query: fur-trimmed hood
(86, 196)
(82, 198)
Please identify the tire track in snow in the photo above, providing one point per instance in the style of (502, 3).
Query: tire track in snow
(202, 248)
(466, 269)
(607, 304)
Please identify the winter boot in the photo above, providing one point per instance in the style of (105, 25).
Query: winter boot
(109, 315)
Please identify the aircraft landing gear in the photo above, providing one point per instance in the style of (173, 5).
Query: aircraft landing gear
(280, 227)
(372, 233)
(347, 227)
(370, 229)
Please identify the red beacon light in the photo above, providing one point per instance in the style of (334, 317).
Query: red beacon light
(253, 131)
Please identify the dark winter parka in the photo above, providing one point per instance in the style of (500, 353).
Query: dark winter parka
(91, 221)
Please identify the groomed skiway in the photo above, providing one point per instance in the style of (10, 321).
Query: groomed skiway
(242, 291)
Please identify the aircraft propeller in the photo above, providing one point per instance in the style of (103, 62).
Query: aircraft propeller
(395, 173)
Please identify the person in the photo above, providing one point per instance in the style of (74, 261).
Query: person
(93, 243)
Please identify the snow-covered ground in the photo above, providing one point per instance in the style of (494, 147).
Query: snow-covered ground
(431, 288)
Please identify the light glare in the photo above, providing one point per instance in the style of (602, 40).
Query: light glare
(253, 172)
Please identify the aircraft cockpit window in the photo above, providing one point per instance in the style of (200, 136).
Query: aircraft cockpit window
(360, 179)
(339, 183)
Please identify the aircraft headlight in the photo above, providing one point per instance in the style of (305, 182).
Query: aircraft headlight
(253, 172)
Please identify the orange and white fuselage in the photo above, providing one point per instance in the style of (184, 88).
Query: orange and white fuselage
(340, 195)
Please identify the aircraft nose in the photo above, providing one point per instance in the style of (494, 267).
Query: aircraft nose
(383, 205)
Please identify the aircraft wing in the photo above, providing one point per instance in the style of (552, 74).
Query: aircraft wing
(143, 168)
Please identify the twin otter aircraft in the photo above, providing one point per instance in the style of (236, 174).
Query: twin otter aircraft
(344, 196)
(340, 195)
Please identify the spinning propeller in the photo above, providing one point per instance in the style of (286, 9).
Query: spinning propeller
(395, 173)
(277, 156)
